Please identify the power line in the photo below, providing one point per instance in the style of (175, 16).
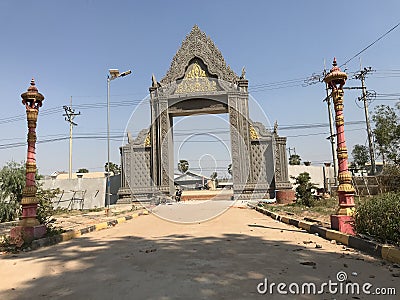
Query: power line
(319, 133)
(119, 137)
(315, 125)
(119, 134)
(58, 109)
(134, 102)
(277, 85)
(374, 42)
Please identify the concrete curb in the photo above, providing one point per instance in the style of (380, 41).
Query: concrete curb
(389, 253)
(71, 234)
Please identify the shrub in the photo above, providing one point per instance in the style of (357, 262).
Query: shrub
(304, 189)
(9, 210)
(45, 209)
(379, 217)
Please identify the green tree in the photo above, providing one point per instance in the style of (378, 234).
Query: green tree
(83, 170)
(12, 181)
(294, 159)
(304, 189)
(183, 166)
(113, 168)
(360, 155)
(387, 133)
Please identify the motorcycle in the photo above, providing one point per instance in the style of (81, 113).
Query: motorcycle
(178, 195)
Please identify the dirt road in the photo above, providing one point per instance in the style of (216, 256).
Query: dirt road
(227, 257)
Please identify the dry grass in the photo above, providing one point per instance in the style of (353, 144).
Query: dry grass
(321, 211)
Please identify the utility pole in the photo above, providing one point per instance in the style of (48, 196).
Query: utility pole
(332, 132)
(69, 117)
(320, 78)
(361, 76)
(290, 149)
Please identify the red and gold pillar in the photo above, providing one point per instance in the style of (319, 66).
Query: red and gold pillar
(343, 220)
(29, 227)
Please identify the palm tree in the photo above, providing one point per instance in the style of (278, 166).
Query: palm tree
(114, 168)
(294, 159)
(183, 166)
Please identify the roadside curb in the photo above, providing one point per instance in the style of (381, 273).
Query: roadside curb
(389, 253)
(71, 234)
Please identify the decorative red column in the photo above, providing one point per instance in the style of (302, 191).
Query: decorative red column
(343, 220)
(29, 227)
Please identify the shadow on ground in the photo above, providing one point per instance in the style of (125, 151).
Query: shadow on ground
(180, 267)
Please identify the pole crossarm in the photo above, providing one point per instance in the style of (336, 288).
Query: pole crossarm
(70, 115)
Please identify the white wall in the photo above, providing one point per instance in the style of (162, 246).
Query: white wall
(94, 192)
(316, 173)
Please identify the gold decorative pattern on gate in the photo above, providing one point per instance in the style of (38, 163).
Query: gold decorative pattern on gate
(196, 80)
(147, 141)
(253, 133)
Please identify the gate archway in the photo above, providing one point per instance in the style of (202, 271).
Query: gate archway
(200, 82)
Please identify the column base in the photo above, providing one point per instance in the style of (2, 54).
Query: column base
(21, 234)
(343, 223)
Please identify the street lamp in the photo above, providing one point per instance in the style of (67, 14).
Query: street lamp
(114, 74)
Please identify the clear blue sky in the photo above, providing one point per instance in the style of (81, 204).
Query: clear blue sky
(68, 47)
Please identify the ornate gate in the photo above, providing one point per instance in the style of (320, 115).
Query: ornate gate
(200, 82)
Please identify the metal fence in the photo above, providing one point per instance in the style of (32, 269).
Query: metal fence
(375, 185)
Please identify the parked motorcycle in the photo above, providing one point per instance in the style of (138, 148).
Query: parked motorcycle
(178, 195)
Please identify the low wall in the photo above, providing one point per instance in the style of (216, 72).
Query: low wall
(83, 193)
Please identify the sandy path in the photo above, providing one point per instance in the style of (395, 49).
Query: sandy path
(225, 258)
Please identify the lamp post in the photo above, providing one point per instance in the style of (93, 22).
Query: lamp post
(335, 80)
(29, 227)
(114, 74)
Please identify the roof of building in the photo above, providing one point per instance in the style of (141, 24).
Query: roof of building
(64, 175)
(190, 176)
